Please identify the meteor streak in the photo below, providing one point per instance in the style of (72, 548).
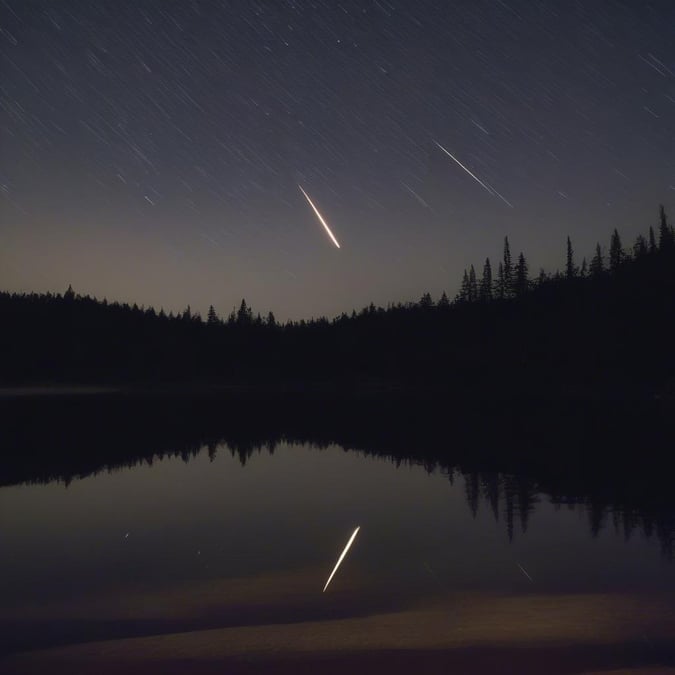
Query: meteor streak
(320, 217)
(343, 554)
(491, 190)
(522, 569)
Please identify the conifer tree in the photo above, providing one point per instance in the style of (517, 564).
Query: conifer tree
(271, 321)
(473, 285)
(665, 232)
(443, 301)
(500, 285)
(640, 247)
(596, 267)
(521, 282)
(465, 289)
(245, 314)
(570, 268)
(508, 269)
(212, 317)
(616, 253)
(485, 291)
(583, 272)
(425, 303)
(652, 240)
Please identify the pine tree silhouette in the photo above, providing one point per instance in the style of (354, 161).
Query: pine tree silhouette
(245, 314)
(570, 268)
(212, 317)
(473, 285)
(665, 232)
(500, 284)
(464, 294)
(640, 248)
(597, 266)
(426, 302)
(508, 269)
(485, 290)
(616, 252)
(521, 281)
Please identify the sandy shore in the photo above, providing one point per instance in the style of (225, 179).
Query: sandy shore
(462, 633)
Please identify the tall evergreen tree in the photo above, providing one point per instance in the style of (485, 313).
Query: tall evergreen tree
(665, 232)
(473, 285)
(485, 291)
(584, 268)
(520, 281)
(271, 320)
(616, 252)
(465, 289)
(640, 247)
(597, 265)
(212, 317)
(443, 301)
(500, 285)
(245, 314)
(508, 269)
(652, 240)
(570, 268)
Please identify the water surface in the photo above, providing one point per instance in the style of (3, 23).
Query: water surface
(209, 542)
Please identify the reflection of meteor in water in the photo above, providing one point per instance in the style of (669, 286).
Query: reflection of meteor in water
(491, 190)
(320, 217)
(522, 569)
(343, 554)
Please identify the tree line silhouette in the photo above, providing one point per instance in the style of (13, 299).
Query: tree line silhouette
(513, 281)
(603, 326)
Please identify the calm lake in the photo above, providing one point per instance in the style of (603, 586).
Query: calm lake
(229, 559)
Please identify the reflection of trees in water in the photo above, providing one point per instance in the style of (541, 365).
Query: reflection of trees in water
(511, 498)
(514, 498)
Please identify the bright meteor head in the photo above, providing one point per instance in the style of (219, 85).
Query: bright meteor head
(320, 217)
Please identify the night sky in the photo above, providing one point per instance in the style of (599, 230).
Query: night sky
(151, 151)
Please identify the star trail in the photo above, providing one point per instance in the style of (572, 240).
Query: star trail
(150, 151)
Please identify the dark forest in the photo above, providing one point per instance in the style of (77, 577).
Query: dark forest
(605, 326)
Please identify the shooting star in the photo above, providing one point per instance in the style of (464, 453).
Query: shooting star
(489, 189)
(320, 217)
(415, 195)
(342, 555)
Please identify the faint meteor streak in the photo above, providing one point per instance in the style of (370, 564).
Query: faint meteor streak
(522, 569)
(321, 220)
(415, 195)
(489, 189)
(343, 554)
